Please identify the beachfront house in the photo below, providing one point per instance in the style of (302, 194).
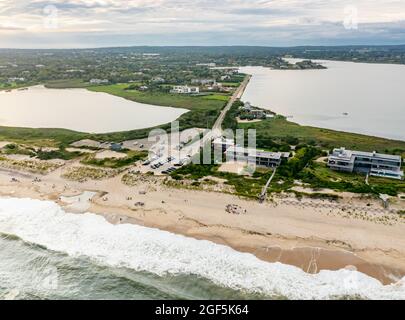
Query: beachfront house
(254, 156)
(250, 155)
(222, 144)
(185, 90)
(372, 163)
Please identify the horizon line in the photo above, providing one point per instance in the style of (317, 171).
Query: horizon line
(211, 46)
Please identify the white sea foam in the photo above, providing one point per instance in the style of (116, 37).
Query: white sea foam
(161, 253)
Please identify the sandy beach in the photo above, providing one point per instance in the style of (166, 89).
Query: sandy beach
(311, 234)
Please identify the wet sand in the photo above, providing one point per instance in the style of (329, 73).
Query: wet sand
(312, 235)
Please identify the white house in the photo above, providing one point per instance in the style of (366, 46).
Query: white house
(15, 79)
(185, 90)
(99, 81)
(204, 82)
(250, 155)
(158, 80)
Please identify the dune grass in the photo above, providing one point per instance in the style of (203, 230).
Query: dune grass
(281, 129)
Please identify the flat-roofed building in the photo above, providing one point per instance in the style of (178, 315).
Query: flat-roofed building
(223, 144)
(372, 163)
(185, 90)
(250, 155)
(254, 156)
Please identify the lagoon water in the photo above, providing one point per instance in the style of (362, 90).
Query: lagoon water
(79, 110)
(354, 97)
(47, 253)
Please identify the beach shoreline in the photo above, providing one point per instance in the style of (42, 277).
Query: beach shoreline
(310, 235)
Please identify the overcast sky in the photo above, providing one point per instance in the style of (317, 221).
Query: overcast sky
(95, 23)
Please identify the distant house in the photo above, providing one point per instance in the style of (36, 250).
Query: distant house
(99, 81)
(258, 113)
(255, 112)
(143, 88)
(185, 90)
(158, 80)
(204, 82)
(246, 107)
(15, 79)
(212, 64)
(226, 78)
(151, 54)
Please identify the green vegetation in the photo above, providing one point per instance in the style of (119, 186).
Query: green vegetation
(204, 109)
(249, 187)
(17, 149)
(114, 163)
(41, 154)
(33, 166)
(66, 84)
(230, 84)
(40, 137)
(320, 196)
(13, 85)
(301, 167)
(318, 176)
(278, 131)
(57, 154)
(82, 174)
(301, 160)
(230, 118)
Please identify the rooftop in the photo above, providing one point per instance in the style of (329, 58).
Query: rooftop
(343, 153)
(251, 152)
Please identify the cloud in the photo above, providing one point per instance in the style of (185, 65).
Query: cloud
(266, 22)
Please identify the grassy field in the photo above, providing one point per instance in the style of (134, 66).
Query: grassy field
(189, 102)
(40, 137)
(319, 176)
(66, 84)
(12, 86)
(230, 84)
(281, 129)
(204, 109)
(248, 187)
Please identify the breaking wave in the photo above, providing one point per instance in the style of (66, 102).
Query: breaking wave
(162, 253)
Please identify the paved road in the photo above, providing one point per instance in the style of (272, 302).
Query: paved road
(216, 131)
(217, 128)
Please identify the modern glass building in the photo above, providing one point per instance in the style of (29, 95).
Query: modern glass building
(373, 163)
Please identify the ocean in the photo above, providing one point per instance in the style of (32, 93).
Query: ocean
(47, 253)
